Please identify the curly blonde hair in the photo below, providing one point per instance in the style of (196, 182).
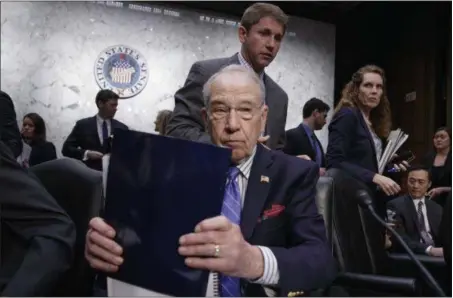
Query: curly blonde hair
(380, 116)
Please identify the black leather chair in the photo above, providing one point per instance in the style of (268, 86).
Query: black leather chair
(357, 241)
(78, 190)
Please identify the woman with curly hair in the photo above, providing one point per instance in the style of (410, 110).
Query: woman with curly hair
(161, 122)
(360, 124)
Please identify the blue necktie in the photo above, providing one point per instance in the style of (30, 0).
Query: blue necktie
(105, 132)
(231, 209)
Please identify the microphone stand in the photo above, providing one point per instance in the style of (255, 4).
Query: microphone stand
(428, 277)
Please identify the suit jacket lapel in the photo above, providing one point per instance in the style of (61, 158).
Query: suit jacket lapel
(234, 59)
(307, 139)
(257, 191)
(271, 102)
(370, 137)
(412, 212)
(94, 125)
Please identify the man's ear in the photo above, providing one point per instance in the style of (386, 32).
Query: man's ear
(429, 184)
(264, 117)
(242, 34)
(204, 116)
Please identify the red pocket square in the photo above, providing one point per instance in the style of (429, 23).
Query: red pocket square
(273, 212)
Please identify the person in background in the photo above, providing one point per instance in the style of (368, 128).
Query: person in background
(302, 139)
(161, 122)
(37, 236)
(439, 163)
(89, 139)
(263, 26)
(9, 130)
(34, 134)
(421, 234)
(278, 246)
(361, 122)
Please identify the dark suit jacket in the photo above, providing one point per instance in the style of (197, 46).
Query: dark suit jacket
(9, 131)
(186, 121)
(42, 152)
(37, 237)
(407, 222)
(84, 136)
(351, 147)
(297, 236)
(298, 143)
(445, 236)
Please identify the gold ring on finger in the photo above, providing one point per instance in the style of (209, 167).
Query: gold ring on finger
(216, 251)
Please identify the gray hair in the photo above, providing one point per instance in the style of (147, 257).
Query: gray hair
(234, 68)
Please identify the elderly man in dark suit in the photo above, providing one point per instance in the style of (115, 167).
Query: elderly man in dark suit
(270, 239)
(9, 131)
(263, 26)
(88, 140)
(37, 236)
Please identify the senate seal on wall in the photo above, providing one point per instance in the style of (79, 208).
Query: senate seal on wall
(121, 69)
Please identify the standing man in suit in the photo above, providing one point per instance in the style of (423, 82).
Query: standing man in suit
(36, 236)
(270, 239)
(88, 140)
(302, 139)
(416, 216)
(263, 26)
(9, 130)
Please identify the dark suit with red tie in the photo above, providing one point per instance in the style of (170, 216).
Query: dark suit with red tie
(280, 213)
(84, 136)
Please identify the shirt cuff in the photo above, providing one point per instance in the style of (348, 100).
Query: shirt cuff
(85, 155)
(427, 250)
(271, 274)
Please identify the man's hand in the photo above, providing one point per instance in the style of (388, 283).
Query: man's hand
(322, 171)
(436, 252)
(94, 155)
(263, 139)
(100, 250)
(303, 156)
(235, 257)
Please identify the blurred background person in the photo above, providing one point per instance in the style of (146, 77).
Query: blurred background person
(89, 139)
(9, 130)
(161, 122)
(302, 140)
(358, 130)
(439, 163)
(34, 134)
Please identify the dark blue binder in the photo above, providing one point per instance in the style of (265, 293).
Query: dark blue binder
(159, 188)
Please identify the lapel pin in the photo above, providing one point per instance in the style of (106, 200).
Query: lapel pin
(264, 179)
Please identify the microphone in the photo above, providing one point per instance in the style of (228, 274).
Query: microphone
(365, 201)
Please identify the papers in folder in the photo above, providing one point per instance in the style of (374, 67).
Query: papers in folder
(159, 188)
(395, 140)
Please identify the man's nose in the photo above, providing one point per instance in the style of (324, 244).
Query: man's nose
(233, 122)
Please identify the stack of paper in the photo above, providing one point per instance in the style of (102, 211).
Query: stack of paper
(395, 140)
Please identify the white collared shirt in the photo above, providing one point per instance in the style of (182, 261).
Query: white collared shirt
(244, 62)
(271, 275)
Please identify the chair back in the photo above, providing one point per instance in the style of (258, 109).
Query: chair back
(78, 190)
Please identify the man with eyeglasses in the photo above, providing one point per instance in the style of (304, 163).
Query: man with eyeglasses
(302, 141)
(270, 239)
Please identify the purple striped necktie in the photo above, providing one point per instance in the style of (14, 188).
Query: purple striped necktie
(231, 209)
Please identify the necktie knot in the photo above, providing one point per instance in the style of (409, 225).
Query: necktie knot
(420, 204)
(233, 172)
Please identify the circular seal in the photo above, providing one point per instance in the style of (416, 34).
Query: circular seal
(121, 69)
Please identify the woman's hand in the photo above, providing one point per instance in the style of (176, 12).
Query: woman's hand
(437, 191)
(389, 186)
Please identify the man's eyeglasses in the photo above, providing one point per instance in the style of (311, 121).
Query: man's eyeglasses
(219, 112)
